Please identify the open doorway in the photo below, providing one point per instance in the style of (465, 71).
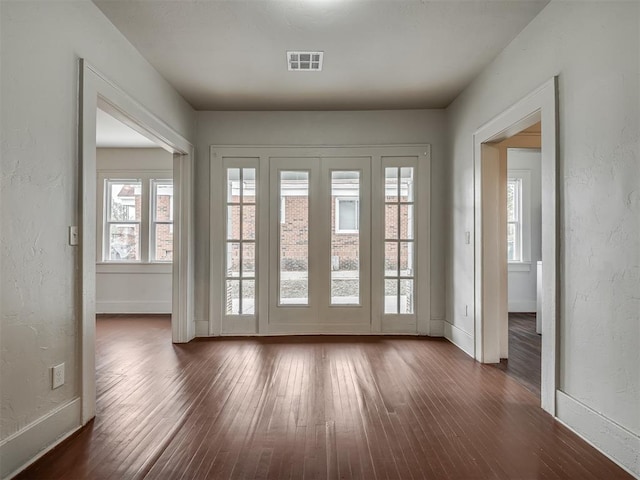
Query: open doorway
(521, 221)
(491, 264)
(134, 212)
(99, 93)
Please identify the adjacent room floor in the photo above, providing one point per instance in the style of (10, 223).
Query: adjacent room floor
(309, 407)
(524, 363)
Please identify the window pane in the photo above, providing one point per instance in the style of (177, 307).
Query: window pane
(233, 259)
(391, 184)
(406, 184)
(232, 300)
(248, 259)
(249, 185)
(406, 259)
(513, 253)
(233, 222)
(406, 296)
(391, 259)
(163, 201)
(248, 222)
(124, 242)
(348, 215)
(294, 239)
(233, 185)
(391, 221)
(248, 297)
(513, 199)
(345, 246)
(164, 243)
(406, 222)
(125, 201)
(391, 296)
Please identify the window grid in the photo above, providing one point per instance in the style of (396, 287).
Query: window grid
(514, 222)
(241, 279)
(109, 221)
(155, 183)
(399, 277)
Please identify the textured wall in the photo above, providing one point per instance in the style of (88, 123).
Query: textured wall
(40, 46)
(594, 48)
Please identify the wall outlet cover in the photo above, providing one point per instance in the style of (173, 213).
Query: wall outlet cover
(57, 376)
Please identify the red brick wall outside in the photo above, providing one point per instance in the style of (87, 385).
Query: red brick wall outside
(294, 233)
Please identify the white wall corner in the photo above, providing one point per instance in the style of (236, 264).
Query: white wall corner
(614, 441)
(202, 328)
(437, 327)
(24, 447)
(459, 338)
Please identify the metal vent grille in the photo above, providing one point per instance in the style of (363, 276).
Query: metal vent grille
(305, 61)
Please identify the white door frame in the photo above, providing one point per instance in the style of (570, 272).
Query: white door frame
(97, 90)
(380, 155)
(540, 105)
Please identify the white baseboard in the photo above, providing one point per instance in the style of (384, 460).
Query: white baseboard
(126, 306)
(202, 328)
(436, 327)
(522, 306)
(613, 440)
(24, 447)
(459, 338)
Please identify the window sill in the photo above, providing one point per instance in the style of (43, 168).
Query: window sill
(519, 266)
(139, 268)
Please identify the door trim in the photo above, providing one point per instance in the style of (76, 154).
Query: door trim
(540, 105)
(422, 324)
(97, 90)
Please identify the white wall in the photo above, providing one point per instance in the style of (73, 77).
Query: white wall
(322, 128)
(132, 288)
(521, 279)
(594, 48)
(41, 43)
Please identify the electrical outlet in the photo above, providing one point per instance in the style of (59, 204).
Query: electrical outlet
(57, 376)
(467, 238)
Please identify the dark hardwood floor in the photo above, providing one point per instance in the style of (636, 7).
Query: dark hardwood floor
(309, 407)
(524, 363)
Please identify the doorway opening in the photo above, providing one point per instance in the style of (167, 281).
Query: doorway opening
(124, 235)
(492, 227)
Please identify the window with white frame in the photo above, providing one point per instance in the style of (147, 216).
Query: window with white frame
(137, 224)
(514, 219)
(347, 215)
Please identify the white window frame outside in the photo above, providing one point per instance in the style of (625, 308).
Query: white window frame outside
(153, 223)
(347, 230)
(523, 177)
(146, 177)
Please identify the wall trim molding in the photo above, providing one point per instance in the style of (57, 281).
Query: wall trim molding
(129, 306)
(459, 338)
(27, 445)
(523, 306)
(437, 327)
(612, 440)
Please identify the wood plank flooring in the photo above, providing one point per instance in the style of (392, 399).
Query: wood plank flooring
(524, 363)
(309, 408)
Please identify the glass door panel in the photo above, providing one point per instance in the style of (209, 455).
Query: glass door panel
(293, 224)
(345, 237)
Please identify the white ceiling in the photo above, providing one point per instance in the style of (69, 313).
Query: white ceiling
(231, 54)
(112, 133)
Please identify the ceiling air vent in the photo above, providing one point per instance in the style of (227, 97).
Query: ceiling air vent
(305, 61)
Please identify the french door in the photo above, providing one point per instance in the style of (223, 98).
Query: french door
(320, 244)
(319, 240)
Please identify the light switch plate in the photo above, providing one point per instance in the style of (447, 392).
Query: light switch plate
(73, 236)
